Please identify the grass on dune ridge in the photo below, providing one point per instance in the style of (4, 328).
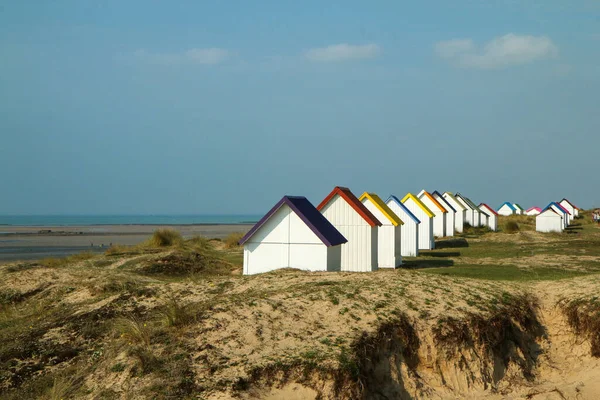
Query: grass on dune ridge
(142, 311)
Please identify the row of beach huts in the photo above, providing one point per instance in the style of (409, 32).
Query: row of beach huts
(556, 217)
(362, 234)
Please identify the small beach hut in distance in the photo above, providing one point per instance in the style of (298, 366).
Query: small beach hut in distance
(450, 215)
(439, 218)
(460, 214)
(293, 234)
(518, 209)
(357, 224)
(570, 207)
(410, 229)
(560, 210)
(473, 217)
(491, 216)
(549, 221)
(425, 215)
(507, 209)
(532, 211)
(389, 234)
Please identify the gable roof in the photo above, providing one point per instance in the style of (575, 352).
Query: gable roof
(572, 205)
(443, 201)
(509, 204)
(403, 207)
(381, 206)
(351, 199)
(534, 208)
(433, 200)
(549, 208)
(419, 203)
(457, 203)
(517, 205)
(468, 201)
(489, 208)
(561, 208)
(316, 221)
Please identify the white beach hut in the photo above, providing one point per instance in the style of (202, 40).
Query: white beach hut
(389, 234)
(439, 218)
(293, 234)
(410, 230)
(425, 215)
(507, 209)
(518, 209)
(473, 218)
(357, 224)
(572, 208)
(460, 214)
(560, 210)
(549, 221)
(533, 211)
(450, 215)
(491, 216)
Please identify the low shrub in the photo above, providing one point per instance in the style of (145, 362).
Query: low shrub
(165, 238)
(511, 227)
(233, 239)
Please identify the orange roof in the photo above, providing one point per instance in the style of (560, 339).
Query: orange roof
(434, 201)
(351, 199)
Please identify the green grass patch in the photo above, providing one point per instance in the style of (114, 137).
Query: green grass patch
(505, 272)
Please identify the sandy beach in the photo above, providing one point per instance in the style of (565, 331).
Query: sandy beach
(36, 242)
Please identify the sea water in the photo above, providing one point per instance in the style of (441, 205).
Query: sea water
(79, 220)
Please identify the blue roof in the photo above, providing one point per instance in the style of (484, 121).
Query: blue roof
(316, 221)
(439, 197)
(403, 207)
(509, 205)
(560, 208)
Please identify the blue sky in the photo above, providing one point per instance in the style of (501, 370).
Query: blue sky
(143, 107)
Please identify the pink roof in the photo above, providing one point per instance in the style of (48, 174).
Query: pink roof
(534, 208)
(489, 208)
(562, 208)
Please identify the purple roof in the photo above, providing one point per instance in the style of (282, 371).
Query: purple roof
(317, 223)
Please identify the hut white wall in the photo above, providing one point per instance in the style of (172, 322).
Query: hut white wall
(439, 219)
(505, 210)
(426, 240)
(548, 222)
(533, 212)
(459, 216)
(359, 254)
(449, 216)
(285, 241)
(409, 246)
(483, 219)
(491, 219)
(469, 213)
(388, 256)
(564, 216)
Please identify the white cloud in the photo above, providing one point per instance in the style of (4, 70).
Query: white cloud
(208, 56)
(343, 52)
(500, 52)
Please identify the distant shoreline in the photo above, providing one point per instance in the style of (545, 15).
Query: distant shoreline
(32, 242)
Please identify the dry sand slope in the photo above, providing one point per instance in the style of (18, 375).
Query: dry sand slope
(180, 321)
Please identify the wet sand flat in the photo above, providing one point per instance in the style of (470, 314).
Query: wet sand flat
(36, 242)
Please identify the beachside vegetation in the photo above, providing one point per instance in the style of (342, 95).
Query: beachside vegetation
(179, 320)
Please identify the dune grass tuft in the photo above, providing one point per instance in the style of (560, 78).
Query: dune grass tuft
(233, 239)
(165, 238)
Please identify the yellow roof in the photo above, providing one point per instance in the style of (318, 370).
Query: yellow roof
(381, 206)
(419, 203)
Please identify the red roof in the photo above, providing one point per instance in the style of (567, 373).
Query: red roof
(572, 205)
(351, 199)
(489, 208)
